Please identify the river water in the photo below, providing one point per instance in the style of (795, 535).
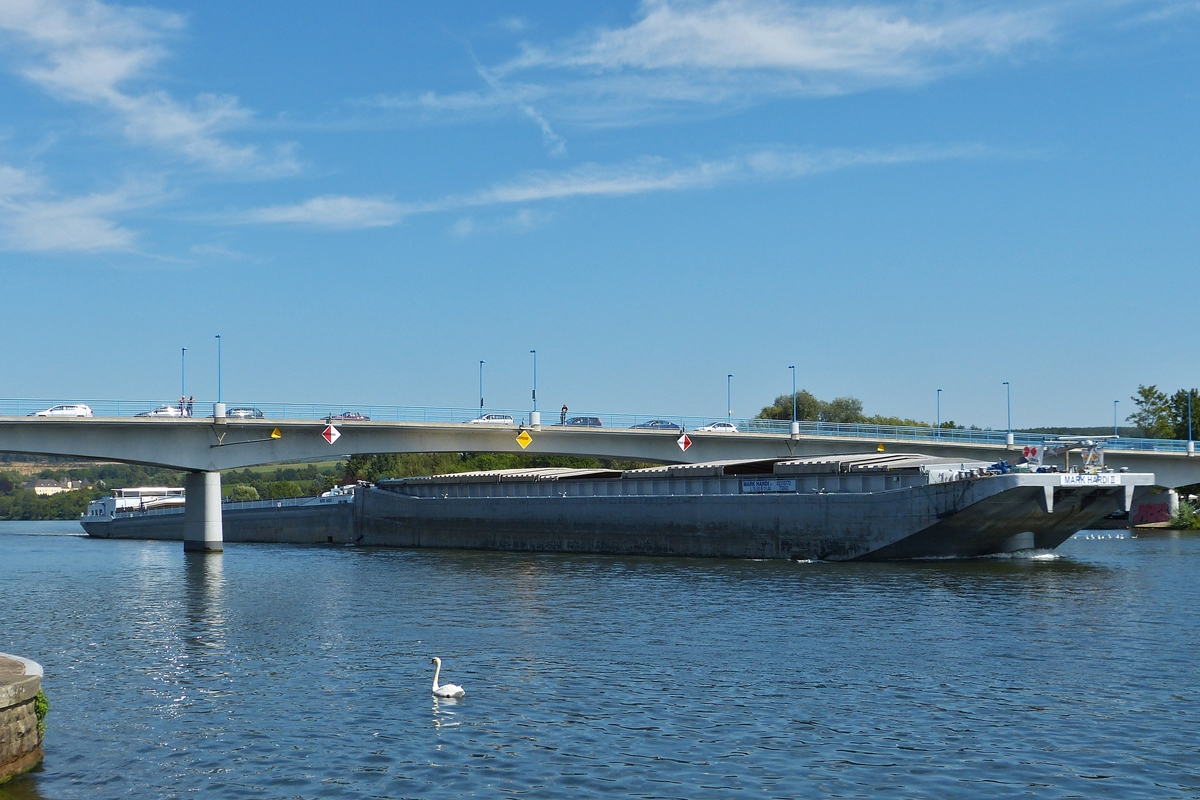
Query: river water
(303, 672)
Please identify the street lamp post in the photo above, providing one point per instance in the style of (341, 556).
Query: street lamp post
(939, 413)
(1008, 397)
(729, 397)
(183, 373)
(795, 419)
(1115, 417)
(219, 406)
(535, 419)
(1191, 444)
(481, 363)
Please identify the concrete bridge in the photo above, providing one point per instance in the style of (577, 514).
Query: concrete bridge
(202, 446)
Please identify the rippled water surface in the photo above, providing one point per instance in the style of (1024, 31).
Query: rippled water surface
(303, 672)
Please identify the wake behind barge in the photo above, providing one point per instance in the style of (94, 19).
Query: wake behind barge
(837, 508)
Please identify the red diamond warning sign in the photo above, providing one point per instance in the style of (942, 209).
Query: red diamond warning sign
(684, 442)
(330, 434)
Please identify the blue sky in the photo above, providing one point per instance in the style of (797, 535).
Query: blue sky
(365, 199)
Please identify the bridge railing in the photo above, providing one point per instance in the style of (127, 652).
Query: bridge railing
(351, 413)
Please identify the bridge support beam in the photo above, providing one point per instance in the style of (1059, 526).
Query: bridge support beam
(202, 513)
(1172, 502)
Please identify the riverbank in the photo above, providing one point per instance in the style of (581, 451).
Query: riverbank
(20, 734)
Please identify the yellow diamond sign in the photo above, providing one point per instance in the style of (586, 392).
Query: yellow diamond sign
(524, 439)
(276, 434)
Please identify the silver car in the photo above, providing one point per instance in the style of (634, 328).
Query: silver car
(493, 419)
(720, 427)
(65, 410)
(165, 410)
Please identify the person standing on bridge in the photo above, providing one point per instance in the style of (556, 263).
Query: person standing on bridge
(191, 402)
(181, 399)
(563, 416)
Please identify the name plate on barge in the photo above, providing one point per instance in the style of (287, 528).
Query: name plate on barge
(1101, 479)
(768, 485)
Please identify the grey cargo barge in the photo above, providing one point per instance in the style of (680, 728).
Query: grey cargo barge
(870, 507)
(836, 508)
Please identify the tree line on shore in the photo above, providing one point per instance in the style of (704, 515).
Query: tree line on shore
(20, 503)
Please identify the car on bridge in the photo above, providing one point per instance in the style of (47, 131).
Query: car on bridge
(584, 422)
(658, 424)
(165, 410)
(720, 427)
(65, 410)
(352, 416)
(493, 419)
(244, 413)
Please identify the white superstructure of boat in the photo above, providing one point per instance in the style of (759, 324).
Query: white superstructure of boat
(158, 501)
(134, 498)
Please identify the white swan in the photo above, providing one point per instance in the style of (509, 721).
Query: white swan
(447, 690)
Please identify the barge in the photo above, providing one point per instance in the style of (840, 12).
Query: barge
(838, 508)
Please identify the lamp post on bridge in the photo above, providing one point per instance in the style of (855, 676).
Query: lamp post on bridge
(1115, 417)
(183, 373)
(729, 398)
(1008, 440)
(535, 418)
(481, 363)
(219, 406)
(795, 420)
(939, 414)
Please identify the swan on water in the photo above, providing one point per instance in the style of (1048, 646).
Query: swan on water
(446, 690)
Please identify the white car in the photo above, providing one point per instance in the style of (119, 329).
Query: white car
(165, 410)
(720, 427)
(493, 419)
(65, 410)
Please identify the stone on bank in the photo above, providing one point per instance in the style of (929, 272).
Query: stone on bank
(22, 707)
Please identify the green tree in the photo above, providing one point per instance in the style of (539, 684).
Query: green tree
(842, 409)
(242, 492)
(1179, 413)
(281, 490)
(880, 419)
(807, 407)
(1153, 415)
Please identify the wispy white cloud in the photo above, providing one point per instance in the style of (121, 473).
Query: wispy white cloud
(680, 54)
(89, 52)
(34, 220)
(553, 141)
(871, 42)
(334, 211)
(594, 180)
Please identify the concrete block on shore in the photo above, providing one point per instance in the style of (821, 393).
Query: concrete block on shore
(20, 740)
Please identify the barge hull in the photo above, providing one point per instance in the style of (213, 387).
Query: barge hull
(328, 524)
(962, 519)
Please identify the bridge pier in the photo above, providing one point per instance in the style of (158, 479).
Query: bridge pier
(202, 513)
(1172, 502)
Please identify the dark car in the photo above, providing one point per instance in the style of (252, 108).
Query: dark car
(584, 422)
(659, 424)
(352, 415)
(244, 413)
